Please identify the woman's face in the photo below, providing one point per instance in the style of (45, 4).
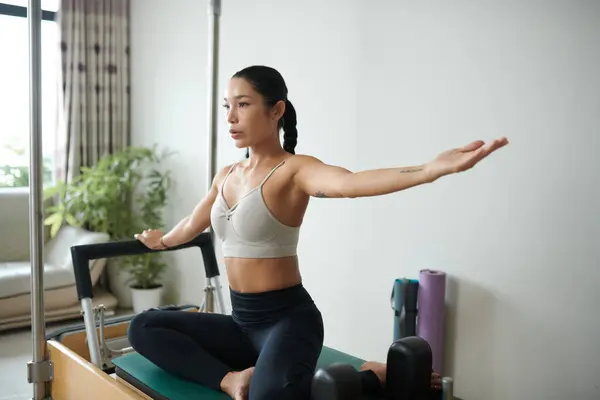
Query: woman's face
(250, 120)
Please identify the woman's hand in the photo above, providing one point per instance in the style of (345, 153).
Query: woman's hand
(463, 158)
(151, 238)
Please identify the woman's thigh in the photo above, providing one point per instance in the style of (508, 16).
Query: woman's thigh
(289, 351)
(217, 334)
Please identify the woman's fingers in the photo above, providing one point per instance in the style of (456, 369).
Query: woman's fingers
(495, 145)
(472, 146)
(150, 238)
(142, 238)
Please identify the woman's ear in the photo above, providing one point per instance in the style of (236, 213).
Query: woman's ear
(278, 110)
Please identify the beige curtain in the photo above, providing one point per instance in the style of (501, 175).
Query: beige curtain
(94, 111)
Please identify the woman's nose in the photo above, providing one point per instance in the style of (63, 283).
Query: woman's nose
(232, 116)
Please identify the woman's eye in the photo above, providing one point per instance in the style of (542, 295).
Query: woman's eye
(243, 104)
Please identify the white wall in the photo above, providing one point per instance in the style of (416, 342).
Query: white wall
(380, 84)
(168, 50)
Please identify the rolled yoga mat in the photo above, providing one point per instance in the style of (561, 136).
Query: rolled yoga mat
(404, 304)
(432, 313)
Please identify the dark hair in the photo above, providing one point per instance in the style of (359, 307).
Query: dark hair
(270, 84)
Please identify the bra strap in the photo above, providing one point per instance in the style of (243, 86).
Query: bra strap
(271, 172)
(227, 176)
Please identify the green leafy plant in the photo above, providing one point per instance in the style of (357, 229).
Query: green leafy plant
(123, 194)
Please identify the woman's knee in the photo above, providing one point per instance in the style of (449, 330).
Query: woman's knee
(138, 329)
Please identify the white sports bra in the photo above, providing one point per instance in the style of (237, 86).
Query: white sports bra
(248, 229)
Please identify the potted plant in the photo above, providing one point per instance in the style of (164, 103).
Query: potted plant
(123, 194)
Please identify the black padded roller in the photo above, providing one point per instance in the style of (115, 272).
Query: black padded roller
(336, 382)
(409, 364)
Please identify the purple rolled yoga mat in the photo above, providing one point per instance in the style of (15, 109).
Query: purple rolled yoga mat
(431, 313)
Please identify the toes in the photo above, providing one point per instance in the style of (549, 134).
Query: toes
(436, 381)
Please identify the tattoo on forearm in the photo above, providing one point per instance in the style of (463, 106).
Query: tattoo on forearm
(416, 169)
(320, 194)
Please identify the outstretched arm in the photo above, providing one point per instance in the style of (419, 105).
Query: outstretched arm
(190, 226)
(322, 180)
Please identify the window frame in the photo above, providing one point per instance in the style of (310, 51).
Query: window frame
(17, 11)
(21, 11)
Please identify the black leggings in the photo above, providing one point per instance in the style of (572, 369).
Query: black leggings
(279, 332)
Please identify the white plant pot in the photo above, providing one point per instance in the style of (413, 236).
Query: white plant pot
(144, 299)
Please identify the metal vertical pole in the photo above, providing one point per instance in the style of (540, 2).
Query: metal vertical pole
(214, 15)
(39, 370)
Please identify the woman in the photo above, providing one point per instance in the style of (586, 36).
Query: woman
(275, 333)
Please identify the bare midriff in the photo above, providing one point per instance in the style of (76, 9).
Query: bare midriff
(251, 275)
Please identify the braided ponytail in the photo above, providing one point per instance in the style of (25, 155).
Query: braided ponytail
(290, 133)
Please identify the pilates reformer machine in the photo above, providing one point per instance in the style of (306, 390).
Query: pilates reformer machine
(93, 359)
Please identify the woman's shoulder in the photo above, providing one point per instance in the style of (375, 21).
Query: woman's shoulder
(222, 173)
(298, 163)
(302, 160)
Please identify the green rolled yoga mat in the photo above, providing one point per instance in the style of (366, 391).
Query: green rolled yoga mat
(160, 385)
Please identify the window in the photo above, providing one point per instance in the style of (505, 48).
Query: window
(14, 92)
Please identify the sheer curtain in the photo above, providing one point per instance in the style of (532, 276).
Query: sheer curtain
(94, 106)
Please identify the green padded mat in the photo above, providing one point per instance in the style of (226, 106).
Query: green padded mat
(152, 380)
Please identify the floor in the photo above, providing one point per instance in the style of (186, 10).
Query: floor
(15, 353)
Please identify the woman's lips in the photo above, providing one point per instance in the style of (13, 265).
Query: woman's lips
(235, 134)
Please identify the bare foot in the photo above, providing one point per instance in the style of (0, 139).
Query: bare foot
(436, 381)
(380, 369)
(237, 384)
